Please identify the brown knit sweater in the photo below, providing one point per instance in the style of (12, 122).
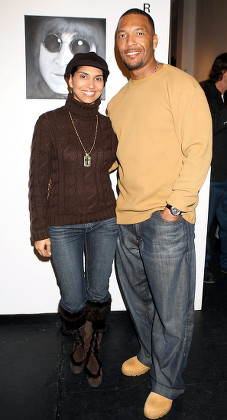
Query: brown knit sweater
(77, 194)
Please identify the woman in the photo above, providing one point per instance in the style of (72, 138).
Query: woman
(72, 207)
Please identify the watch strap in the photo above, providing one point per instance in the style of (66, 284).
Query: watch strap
(173, 210)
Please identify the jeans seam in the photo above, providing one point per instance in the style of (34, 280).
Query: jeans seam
(85, 261)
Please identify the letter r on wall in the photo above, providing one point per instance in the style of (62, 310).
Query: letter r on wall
(146, 7)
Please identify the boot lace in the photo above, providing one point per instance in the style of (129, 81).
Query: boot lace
(77, 338)
(94, 349)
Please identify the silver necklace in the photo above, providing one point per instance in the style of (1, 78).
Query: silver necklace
(87, 157)
(156, 68)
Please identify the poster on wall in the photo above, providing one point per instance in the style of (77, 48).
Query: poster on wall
(50, 43)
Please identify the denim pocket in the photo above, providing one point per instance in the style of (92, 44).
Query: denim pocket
(167, 222)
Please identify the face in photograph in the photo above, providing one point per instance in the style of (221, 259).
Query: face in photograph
(51, 42)
(55, 52)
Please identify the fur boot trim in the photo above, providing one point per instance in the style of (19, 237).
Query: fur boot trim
(72, 321)
(98, 313)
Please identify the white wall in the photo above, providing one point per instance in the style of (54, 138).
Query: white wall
(28, 285)
(200, 239)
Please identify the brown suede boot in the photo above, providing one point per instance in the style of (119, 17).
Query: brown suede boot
(82, 338)
(93, 368)
(81, 330)
(98, 314)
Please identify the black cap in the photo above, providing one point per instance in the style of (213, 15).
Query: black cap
(87, 59)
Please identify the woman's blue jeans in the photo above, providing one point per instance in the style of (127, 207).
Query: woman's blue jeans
(82, 256)
(156, 269)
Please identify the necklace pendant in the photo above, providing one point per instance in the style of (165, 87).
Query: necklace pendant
(87, 161)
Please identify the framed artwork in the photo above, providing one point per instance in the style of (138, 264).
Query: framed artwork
(50, 43)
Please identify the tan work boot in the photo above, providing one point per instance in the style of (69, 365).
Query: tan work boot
(156, 406)
(133, 367)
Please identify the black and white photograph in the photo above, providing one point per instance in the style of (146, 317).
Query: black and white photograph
(50, 43)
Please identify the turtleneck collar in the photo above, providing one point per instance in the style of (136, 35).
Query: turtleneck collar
(82, 109)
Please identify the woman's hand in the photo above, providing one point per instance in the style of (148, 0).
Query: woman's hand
(43, 247)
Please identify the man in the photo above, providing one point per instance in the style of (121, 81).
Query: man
(163, 124)
(215, 89)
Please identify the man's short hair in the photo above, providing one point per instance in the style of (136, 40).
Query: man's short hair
(139, 12)
(219, 65)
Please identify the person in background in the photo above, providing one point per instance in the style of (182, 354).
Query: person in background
(72, 207)
(163, 124)
(215, 89)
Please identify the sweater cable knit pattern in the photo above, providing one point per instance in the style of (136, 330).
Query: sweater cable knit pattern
(77, 194)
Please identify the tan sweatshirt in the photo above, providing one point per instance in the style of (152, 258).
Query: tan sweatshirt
(164, 130)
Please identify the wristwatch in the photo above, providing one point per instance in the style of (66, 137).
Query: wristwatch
(173, 210)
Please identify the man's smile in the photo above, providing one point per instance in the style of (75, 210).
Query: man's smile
(131, 53)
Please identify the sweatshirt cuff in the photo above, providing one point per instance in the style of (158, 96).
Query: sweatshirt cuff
(181, 203)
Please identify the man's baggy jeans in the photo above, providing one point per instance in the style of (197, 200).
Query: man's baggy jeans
(156, 269)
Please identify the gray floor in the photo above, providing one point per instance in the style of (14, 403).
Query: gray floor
(37, 383)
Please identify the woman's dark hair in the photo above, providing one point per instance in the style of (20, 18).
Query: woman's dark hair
(139, 12)
(219, 65)
(74, 70)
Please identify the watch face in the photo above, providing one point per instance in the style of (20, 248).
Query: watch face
(174, 211)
